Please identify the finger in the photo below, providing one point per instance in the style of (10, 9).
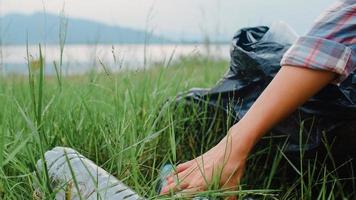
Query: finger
(186, 176)
(193, 189)
(179, 181)
(170, 179)
(182, 167)
(179, 177)
(189, 192)
(173, 187)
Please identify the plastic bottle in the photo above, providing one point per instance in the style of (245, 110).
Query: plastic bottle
(69, 170)
(280, 32)
(165, 171)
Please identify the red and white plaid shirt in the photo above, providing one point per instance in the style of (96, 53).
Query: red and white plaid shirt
(331, 43)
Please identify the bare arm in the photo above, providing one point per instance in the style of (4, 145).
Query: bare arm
(291, 87)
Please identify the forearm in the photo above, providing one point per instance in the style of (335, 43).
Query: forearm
(291, 87)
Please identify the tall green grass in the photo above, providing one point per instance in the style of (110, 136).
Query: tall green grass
(127, 123)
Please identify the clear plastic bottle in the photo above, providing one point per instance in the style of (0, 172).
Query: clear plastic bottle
(280, 32)
(70, 171)
(165, 171)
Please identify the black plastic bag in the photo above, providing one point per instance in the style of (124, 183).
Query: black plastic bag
(254, 63)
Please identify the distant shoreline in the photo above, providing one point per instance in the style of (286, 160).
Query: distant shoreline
(22, 29)
(79, 58)
(4, 44)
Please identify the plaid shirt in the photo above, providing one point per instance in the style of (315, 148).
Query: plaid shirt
(331, 43)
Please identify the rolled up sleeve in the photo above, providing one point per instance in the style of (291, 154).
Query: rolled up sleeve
(330, 45)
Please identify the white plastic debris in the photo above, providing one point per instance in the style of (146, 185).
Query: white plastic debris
(69, 170)
(280, 32)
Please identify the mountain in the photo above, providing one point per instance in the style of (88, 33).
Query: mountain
(40, 28)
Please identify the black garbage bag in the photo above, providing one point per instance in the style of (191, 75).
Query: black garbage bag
(254, 63)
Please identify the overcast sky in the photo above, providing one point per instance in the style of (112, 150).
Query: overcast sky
(181, 17)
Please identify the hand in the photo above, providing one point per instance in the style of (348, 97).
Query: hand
(226, 161)
(291, 87)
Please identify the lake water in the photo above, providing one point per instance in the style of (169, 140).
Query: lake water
(78, 59)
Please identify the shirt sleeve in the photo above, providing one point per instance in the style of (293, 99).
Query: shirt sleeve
(331, 43)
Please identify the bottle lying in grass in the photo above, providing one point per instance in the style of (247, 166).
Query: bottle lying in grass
(76, 177)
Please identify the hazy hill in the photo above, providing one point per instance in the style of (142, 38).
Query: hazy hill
(45, 28)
